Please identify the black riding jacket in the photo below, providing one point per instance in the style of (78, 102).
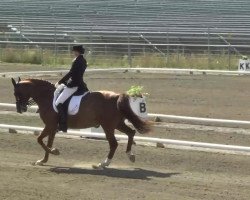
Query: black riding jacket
(75, 76)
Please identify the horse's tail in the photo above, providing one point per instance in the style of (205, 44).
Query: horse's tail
(124, 107)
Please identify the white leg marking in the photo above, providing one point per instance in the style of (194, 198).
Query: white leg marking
(39, 162)
(131, 156)
(103, 164)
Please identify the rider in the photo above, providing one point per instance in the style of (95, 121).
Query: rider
(73, 81)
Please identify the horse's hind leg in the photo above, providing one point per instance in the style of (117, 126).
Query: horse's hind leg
(113, 146)
(130, 133)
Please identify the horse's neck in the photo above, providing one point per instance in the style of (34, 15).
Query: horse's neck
(43, 98)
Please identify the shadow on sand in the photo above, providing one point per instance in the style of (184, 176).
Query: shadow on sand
(136, 173)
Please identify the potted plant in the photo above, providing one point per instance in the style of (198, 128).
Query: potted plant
(138, 100)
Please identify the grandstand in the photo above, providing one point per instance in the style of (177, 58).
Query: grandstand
(110, 20)
(216, 22)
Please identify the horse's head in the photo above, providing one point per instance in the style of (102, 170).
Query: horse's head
(22, 94)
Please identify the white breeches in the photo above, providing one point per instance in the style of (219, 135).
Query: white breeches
(67, 92)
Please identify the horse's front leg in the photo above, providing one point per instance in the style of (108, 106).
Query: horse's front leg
(50, 132)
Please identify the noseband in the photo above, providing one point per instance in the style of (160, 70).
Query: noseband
(20, 106)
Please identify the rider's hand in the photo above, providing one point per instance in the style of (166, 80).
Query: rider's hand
(57, 84)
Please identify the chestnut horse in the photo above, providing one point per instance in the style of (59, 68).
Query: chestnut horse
(103, 108)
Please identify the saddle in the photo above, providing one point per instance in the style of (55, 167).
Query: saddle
(73, 103)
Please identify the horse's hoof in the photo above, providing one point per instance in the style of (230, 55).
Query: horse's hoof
(132, 158)
(98, 167)
(55, 151)
(39, 163)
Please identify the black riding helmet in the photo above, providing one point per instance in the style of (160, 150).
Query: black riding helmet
(78, 48)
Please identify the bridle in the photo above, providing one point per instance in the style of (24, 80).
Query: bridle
(20, 105)
(23, 107)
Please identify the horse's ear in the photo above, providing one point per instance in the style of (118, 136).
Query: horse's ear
(13, 82)
(19, 79)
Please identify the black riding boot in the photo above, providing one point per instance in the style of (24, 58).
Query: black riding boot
(62, 112)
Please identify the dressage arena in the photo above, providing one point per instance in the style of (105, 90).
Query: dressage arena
(173, 172)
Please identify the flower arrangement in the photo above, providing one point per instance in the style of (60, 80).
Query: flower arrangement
(136, 91)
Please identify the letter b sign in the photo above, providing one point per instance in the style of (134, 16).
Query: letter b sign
(143, 107)
(139, 106)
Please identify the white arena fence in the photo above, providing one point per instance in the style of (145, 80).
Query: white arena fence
(174, 118)
(132, 70)
(233, 148)
(178, 143)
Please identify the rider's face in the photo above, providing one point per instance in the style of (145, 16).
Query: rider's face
(76, 53)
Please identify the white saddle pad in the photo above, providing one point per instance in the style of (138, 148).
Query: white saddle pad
(74, 104)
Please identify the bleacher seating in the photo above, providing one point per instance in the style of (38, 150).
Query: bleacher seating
(120, 21)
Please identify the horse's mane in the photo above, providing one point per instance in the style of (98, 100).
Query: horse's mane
(41, 83)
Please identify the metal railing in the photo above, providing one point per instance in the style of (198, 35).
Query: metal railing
(200, 56)
(159, 33)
